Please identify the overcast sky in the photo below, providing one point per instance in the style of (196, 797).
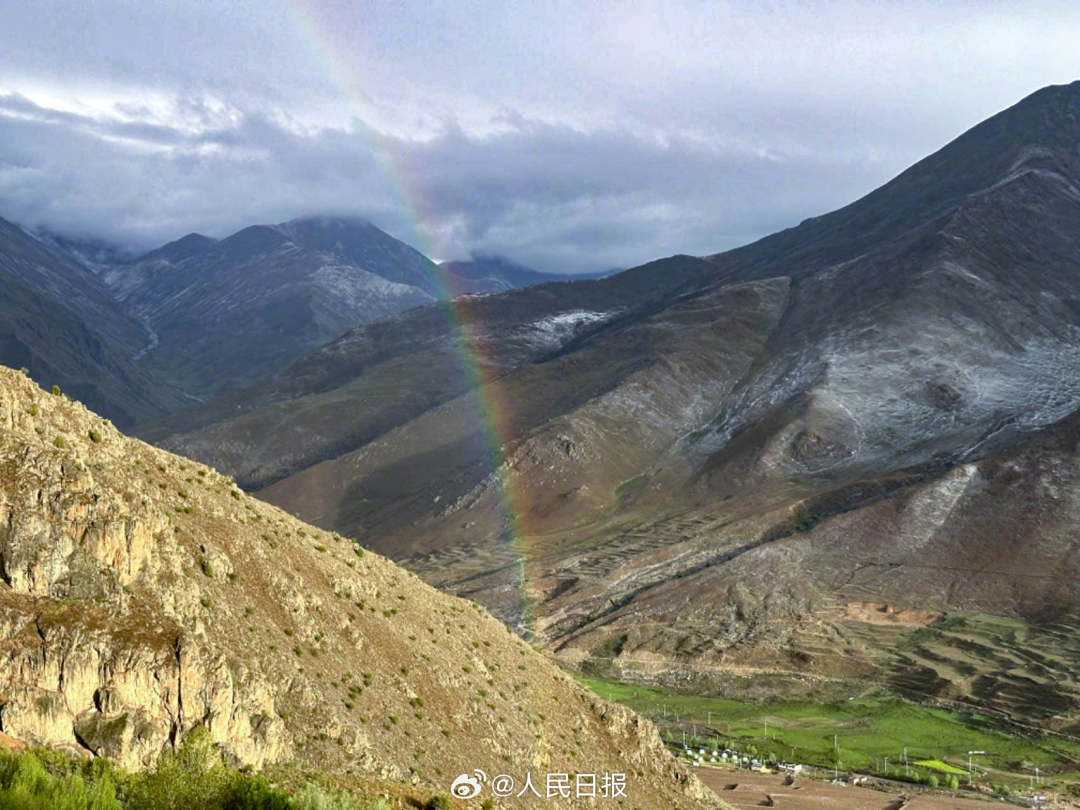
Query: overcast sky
(565, 135)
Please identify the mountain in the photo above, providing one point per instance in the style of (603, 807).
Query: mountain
(831, 456)
(145, 596)
(488, 274)
(94, 254)
(382, 375)
(228, 312)
(199, 316)
(60, 322)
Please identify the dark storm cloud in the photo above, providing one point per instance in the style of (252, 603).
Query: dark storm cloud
(566, 136)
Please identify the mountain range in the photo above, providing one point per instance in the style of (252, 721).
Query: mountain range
(788, 460)
(141, 335)
(489, 274)
(60, 322)
(841, 456)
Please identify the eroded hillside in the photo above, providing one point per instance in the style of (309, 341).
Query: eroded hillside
(144, 595)
(715, 471)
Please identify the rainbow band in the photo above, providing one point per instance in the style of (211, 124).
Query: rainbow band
(493, 413)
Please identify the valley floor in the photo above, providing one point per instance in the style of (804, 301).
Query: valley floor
(743, 789)
(867, 733)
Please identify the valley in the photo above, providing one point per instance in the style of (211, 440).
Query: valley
(828, 480)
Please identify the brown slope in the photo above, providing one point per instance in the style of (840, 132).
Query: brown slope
(843, 583)
(578, 428)
(929, 326)
(143, 595)
(382, 375)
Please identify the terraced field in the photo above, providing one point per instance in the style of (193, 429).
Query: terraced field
(1012, 668)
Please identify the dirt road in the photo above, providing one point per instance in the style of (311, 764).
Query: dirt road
(743, 789)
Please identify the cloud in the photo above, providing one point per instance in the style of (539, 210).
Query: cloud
(552, 195)
(566, 136)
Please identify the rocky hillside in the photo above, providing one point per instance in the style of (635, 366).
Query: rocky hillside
(144, 594)
(700, 476)
(61, 323)
(228, 312)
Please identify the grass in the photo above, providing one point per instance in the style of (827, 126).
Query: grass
(193, 776)
(938, 765)
(866, 729)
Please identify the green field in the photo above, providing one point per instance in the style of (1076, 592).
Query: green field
(859, 734)
(938, 765)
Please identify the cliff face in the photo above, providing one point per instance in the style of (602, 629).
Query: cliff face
(143, 595)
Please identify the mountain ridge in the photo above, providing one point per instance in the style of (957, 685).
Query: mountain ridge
(751, 403)
(59, 321)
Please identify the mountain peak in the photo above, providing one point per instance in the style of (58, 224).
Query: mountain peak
(180, 249)
(327, 221)
(980, 158)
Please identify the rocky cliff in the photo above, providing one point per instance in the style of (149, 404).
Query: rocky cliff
(143, 595)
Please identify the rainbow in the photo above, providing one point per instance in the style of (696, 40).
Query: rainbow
(494, 412)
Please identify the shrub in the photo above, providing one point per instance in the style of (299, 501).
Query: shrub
(56, 390)
(438, 803)
(255, 793)
(932, 780)
(954, 783)
(195, 776)
(207, 568)
(95, 435)
(312, 797)
(40, 780)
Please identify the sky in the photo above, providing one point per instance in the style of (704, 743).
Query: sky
(566, 136)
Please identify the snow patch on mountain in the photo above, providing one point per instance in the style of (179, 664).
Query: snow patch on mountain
(555, 330)
(358, 288)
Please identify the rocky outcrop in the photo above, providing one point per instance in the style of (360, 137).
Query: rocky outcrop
(143, 595)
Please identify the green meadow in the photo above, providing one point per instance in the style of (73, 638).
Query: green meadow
(857, 734)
